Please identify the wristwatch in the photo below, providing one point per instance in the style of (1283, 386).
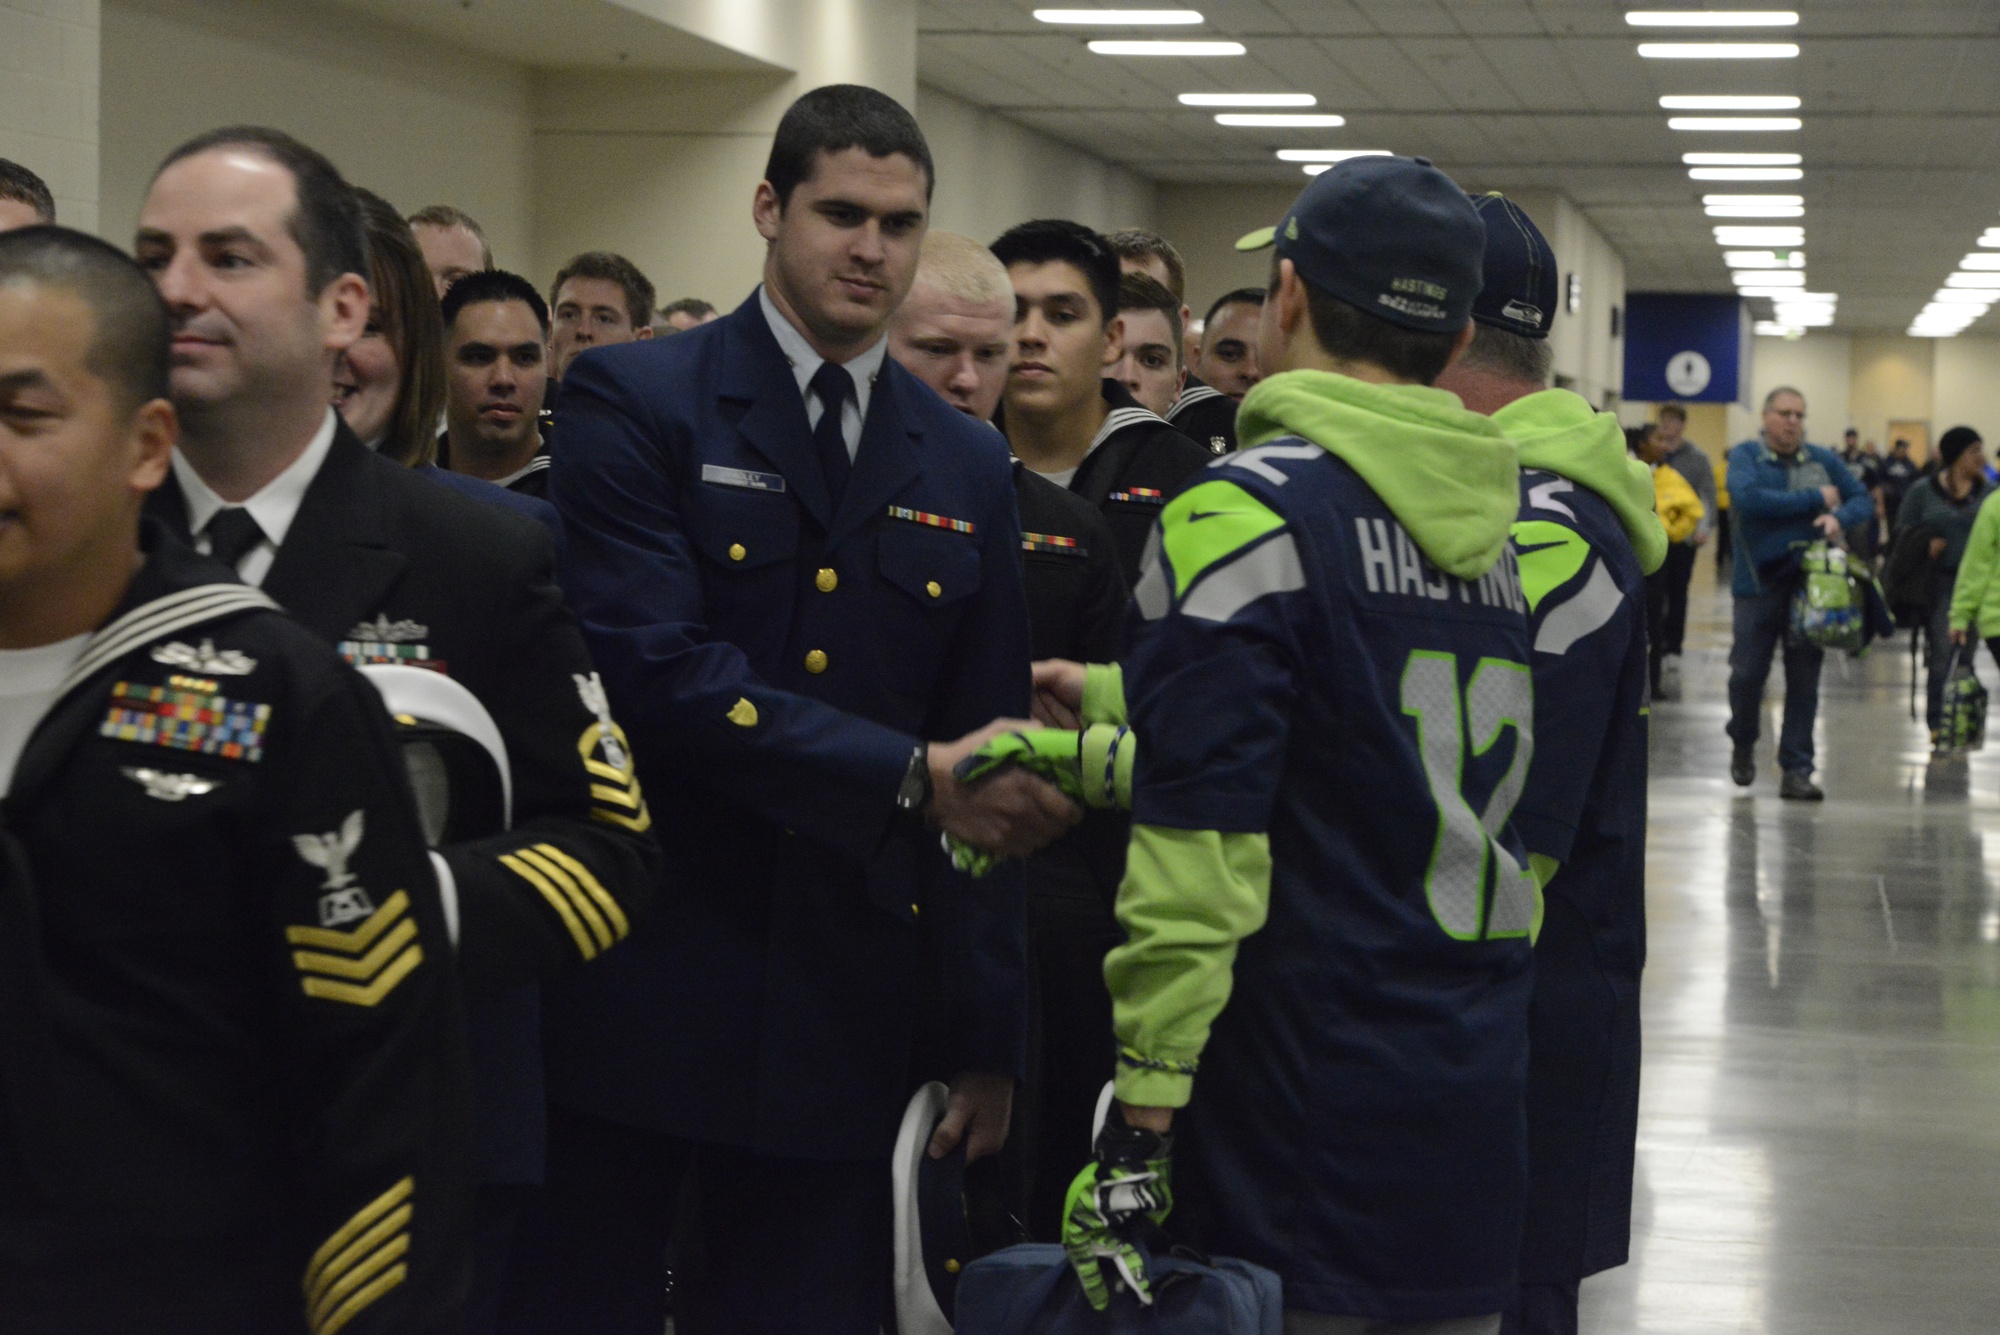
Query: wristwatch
(916, 791)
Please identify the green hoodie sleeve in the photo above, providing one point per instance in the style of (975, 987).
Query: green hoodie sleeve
(1976, 570)
(1103, 694)
(1188, 897)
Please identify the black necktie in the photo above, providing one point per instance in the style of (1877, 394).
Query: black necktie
(832, 385)
(232, 533)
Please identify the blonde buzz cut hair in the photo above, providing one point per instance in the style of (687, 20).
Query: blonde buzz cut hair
(962, 268)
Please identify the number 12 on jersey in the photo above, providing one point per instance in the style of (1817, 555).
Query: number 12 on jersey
(1452, 728)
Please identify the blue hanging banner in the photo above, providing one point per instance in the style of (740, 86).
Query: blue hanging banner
(1694, 349)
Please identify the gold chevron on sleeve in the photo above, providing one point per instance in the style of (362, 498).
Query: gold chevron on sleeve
(620, 927)
(361, 1261)
(638, 824)
(532, 874)
(561, 869)
(354, 966)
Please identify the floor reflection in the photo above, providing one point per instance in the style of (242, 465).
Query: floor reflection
(1820, 1118)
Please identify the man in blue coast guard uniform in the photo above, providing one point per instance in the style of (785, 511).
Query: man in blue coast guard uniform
(796, 567)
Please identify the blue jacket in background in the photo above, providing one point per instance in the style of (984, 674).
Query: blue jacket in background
(1773, 502)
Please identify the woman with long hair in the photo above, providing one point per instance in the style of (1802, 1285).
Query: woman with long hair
(390, 386)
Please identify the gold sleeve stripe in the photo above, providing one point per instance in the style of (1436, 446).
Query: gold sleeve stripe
(356, 1276)
(637, 824)
(355, 941)
(364, 968)
(538, 857)
(364, 1219)
(385, 1228)
(618, 796)
(619, 924)
(354, 1306)
(585, 946)
(356, 995)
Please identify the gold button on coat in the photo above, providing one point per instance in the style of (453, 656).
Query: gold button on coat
(827, 580)
(816, 661)
(737, 551)
(934, 589)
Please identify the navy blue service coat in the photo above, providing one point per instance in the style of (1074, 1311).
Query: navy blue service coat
(776, 662)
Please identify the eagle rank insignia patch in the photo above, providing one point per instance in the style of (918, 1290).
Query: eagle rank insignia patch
(344, 901)
(614, 790)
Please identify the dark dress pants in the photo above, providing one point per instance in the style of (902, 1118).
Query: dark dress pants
(792, 1246)
(1677, 572)
(1762, 621)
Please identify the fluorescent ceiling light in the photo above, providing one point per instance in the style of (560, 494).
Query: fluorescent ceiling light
(1776, 329)
(1941, 313)
(1946, 296)
(1732, 124)
(1281, 120)
(1748, 160)
(1754, 211)
(1753, 199)
(1978, 261)
(1124, 48)
(1760, 236)
(1329, 155)
(1990, 237)
(1712, 18)
(1718, 50)
(1925, 331)
(1315, 168)
(1248, 100)
(1764, 259)
(1769, 277)
(1119, 18)
(1768, 293)
(1976, 282)
(1745, 174)
(1813, 321)
(1729, 102)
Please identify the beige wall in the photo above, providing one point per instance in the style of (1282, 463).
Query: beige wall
(1966, 388)
(1203, 222)
(48, 99)
(411, 118)
(993, 173)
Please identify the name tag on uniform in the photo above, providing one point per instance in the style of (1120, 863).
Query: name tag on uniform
(741, 478)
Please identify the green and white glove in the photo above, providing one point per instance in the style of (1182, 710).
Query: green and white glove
(1093, 767)
(1126, 1191)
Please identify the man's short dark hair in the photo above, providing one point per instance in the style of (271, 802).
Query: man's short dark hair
(1143, 292)
(24, 187)
(1136, 243)
(694, 306)
(326, 219)
(1047, 240)
(1242, 296)
(841, 116)
(131, 336)
(1675, 411)
(1351, 334)
(493, 285)
(1514, 356)
(1772, 397)
(444, 215)
(610, 268)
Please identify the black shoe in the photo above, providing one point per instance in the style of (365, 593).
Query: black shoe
(1742, 767)
(1797, 786)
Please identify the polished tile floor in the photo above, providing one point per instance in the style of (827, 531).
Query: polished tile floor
(1819, 1138)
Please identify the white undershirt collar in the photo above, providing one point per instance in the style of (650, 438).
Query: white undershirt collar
(274, 507)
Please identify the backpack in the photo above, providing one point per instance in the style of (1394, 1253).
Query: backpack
(1030, 1290)
(1830, 608)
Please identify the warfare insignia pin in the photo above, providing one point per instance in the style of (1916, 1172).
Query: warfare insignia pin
(168, 786)
(330, 851)
(207, 660)
(384, 631)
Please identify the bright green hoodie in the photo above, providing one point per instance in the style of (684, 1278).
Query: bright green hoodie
(1561, 433)
(1448, 475)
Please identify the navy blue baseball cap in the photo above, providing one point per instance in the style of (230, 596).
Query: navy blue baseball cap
(1393, 236)
(1520, 292)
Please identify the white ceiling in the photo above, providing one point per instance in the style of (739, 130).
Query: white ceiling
(1901, 140)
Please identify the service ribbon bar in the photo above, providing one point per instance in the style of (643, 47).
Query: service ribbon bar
(1141, 496)
(930, 520)
(1049, 542)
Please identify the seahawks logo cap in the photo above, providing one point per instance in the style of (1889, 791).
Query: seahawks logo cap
(1392, 236)
(1519, 295)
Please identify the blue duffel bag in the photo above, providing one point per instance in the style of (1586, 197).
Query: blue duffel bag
(1030, 1290)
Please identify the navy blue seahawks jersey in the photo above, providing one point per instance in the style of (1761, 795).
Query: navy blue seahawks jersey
(1584, 806)
(1300, 669)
